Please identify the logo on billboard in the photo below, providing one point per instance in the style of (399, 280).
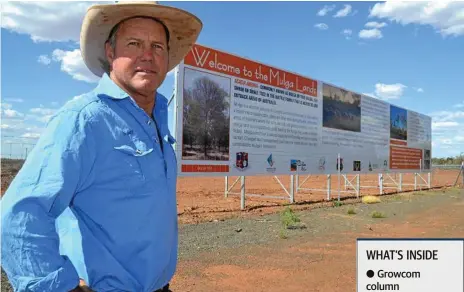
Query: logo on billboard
(341, 164)
(357, 165)
(322, 163)
(241, 160)
(296, 163)
(385, 164)
(270, 162)
(370, 166)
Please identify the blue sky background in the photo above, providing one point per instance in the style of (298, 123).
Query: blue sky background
(409, 54)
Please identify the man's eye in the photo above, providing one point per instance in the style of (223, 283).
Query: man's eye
(157, 46)
(134, 44)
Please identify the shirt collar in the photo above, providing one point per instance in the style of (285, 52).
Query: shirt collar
(107, 87)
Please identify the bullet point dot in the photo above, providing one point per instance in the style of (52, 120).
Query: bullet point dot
(370, 273)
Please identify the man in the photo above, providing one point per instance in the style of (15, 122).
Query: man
(107, 157)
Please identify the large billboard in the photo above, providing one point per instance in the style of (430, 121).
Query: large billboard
(235, 116)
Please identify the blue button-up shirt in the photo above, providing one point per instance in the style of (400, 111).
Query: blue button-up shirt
(95, 200)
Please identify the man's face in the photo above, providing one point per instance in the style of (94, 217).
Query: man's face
(140, 59)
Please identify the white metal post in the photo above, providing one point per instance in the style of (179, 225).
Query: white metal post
(339, 172)
(358, 186)
(381, 183)
(226, 190)
(415, 181)
(242, 193)
(297, 182)
(400, 184)
(329, 183)
(429, 180)
(292, 193)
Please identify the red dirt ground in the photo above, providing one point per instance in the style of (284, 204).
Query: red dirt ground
(202, 198)
(323, 263)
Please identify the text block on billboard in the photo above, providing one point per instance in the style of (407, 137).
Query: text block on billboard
(425, 265)
(236, 116)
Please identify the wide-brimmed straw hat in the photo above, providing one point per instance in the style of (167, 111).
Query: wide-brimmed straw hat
(184, 29)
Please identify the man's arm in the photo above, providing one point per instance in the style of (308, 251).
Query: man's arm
(57, 168)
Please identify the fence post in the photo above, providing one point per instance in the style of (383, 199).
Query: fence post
(292, 191)
(329, 183)
(339, 173)
(381, 183)
(358, 185)
(415, 181)
(429, 180)
(226, 184)
(400, 183)
(297, 182)
(242, 193)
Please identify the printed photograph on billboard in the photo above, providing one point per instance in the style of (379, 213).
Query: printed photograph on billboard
(206, 116)
(398, 123)
(341, 109)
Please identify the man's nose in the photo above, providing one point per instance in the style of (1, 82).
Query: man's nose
(147, 54)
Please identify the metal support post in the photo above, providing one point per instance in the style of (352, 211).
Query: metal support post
(429, 180)
(415, 181)
(339, 172)
(297, 182)
(226, 190)
(400, 183)
(381, 183)
(292, 193)
(329, 183)
(242, 193)
(358, 184)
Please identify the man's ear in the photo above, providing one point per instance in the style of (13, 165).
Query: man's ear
(109, 53)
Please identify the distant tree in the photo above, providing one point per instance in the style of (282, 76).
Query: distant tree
(208, 114)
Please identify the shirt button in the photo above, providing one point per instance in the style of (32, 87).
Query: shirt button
(148, 122)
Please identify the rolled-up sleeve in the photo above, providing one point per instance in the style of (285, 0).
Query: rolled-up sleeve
(58, 167)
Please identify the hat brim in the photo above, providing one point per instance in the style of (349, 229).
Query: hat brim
(184, 29)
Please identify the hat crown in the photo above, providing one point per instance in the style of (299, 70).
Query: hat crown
(135, 2)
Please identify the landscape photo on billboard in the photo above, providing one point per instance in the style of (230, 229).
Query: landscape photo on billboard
(206, 116)
(341, 109)
(398, 123)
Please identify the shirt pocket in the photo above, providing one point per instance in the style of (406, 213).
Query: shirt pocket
(132, 156)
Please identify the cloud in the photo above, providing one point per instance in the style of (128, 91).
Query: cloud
(370, 34)
(418, 89)
(447, 18)
(10, 113)
(459, 105)
(19, 100)
(40, 20)
(445, 116)
(389, 91)
(448, 131)
(439, 125)
(347, 33)
(31, 135)
(42, 114)
(343, 12)
(73, 64)
(326, 9)
(321, 26)
(374, 24)
(5, 105)
(44, 59)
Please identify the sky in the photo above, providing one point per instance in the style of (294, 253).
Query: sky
(409, 54)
